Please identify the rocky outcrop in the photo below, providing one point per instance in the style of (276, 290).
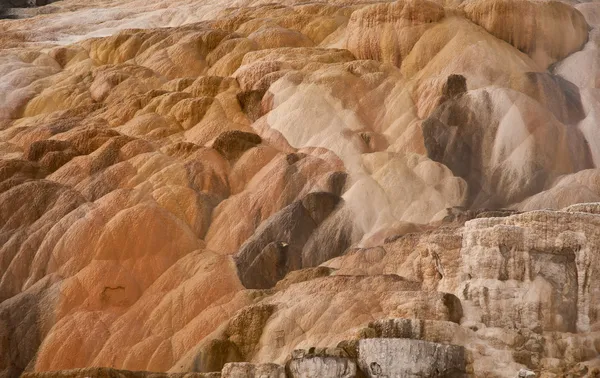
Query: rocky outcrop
(428, 330)
(208, 186)
(277, 247)
(314, 364)
(478, 146)
(232, 144)
(409, 358)
(532, 26)
(546, 279)
(388, 31)
(248, 370)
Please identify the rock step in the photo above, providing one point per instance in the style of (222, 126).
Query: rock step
(406, 358)
(377, 357)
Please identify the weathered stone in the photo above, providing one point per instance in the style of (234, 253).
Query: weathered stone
(275, 248)
(248, 370)
(428, 330)
(540, 262)
(232, 144)
(405, 358)
(321, 366)
(186, 184)
(320, 205)
(216, 354)
(245, 328)
(250, 102)
(526, 373)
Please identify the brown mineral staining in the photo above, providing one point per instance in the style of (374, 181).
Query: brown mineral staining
(240, 189)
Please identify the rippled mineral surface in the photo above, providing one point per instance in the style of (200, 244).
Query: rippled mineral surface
(315, 189)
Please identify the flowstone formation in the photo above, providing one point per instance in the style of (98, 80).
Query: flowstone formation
(348, 188)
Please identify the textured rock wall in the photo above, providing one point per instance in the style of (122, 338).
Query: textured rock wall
(541, 263)
(409, 358)
(193, 187)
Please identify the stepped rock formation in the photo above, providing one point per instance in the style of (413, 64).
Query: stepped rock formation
(346, 188)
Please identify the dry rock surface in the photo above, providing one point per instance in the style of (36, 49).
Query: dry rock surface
(342, 188)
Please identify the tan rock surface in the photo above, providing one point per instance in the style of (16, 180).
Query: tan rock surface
(188, 186)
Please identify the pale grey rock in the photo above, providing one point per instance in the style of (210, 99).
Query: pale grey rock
(525, 373)
(321, 366)
(248, 370)
(406, 358)
(533, 270)
(429, 330)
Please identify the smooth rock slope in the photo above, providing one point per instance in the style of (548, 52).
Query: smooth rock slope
(347, 188)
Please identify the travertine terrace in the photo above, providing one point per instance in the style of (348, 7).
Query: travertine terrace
(289, 188)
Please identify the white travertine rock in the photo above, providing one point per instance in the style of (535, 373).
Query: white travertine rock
(248, 370)
(533, 270)
(321, 366)
(203, 185)
(405, 358)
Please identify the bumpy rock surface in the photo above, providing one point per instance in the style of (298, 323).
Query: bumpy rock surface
(322, 366)
(205, 186)
(404, 358)
(248, 370)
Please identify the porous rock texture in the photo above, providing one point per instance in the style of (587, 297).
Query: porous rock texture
(204, 188)
(405, 358)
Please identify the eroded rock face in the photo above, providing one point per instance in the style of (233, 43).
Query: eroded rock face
(408, 358)
(465, 134)
(248, 370)
(194, 187)
(115, 373)
(388, 31)
(549, 273)
(531, 26)
(321, 366)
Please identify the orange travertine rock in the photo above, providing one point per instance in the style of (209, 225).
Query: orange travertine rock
(194, 187)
